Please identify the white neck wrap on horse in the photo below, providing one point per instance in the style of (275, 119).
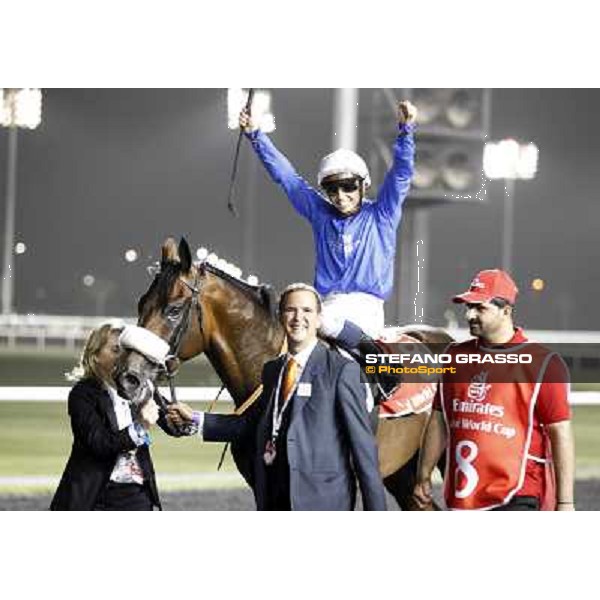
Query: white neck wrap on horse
(145, 342)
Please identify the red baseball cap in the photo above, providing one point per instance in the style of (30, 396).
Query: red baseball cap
(489, 284)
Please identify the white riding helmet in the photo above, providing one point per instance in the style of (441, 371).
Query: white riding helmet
(343, 161)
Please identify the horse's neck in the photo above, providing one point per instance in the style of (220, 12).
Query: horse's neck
(242, 338)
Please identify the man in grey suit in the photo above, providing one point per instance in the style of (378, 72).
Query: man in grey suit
(310, 431)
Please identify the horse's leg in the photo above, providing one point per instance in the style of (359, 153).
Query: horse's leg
(401, 484)
(399, 440)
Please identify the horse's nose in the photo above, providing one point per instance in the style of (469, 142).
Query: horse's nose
(130, 382)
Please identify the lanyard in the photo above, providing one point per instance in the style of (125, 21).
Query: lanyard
(278, 413)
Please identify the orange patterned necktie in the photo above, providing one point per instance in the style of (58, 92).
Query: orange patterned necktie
(289, 380)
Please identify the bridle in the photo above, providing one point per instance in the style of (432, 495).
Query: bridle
(177, 339)
(180, 331)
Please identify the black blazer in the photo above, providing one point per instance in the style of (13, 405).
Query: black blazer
(97, 442)
(330, 443)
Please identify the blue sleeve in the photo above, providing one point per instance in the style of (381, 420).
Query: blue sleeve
(304, 198)
(396, 184)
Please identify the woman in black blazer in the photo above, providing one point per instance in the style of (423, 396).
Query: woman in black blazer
(110, 467)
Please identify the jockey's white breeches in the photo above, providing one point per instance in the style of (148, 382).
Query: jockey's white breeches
(363, 310)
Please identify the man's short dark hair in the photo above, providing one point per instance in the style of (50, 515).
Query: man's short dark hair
(299, 287)
(501, 302)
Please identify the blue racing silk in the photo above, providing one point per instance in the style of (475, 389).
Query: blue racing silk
(355, 253)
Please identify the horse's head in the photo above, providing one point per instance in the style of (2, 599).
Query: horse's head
(200, 308)
(169, 309)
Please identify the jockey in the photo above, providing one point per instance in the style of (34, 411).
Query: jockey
(355, 237)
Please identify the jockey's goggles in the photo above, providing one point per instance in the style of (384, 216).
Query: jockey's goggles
(346, 185)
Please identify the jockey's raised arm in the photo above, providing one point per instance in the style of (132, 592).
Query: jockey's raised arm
(354, 237)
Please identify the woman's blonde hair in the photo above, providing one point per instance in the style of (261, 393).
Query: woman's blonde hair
(97, 339)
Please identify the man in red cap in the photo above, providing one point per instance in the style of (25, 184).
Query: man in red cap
(505, 427)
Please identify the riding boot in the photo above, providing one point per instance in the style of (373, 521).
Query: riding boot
(353, 339)
(386, 381)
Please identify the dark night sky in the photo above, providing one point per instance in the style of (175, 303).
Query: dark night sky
(113, 169)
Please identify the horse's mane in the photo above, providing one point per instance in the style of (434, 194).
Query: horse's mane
(261, 294)
(165, 278)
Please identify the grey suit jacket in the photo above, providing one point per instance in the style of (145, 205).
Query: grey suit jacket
(330, 443)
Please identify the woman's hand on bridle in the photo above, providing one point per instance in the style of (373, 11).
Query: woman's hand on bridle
(149, 414)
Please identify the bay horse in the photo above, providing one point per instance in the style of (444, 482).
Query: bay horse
(199, 308)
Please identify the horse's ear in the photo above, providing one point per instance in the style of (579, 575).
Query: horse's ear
(169, 251)
(185, 255)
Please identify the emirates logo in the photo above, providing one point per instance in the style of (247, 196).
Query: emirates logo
(478, 388)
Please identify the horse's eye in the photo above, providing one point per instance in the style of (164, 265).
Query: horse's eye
(173, 312)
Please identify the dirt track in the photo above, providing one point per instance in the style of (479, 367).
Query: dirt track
(587, 494)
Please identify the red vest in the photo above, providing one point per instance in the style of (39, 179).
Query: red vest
(488, 409)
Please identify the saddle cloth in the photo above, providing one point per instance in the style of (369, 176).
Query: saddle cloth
(410, 396)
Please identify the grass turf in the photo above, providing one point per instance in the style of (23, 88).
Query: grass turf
(35, 440)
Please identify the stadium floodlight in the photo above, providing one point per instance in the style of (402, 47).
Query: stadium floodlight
(528, 161)
(455, 108)
(458, 169)
(20, 248)
(463, 108)
(262, 114)
(131, 255)
(19, 107)
(538, 284)
(426, 167)
(430, 103)
(510, 161)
